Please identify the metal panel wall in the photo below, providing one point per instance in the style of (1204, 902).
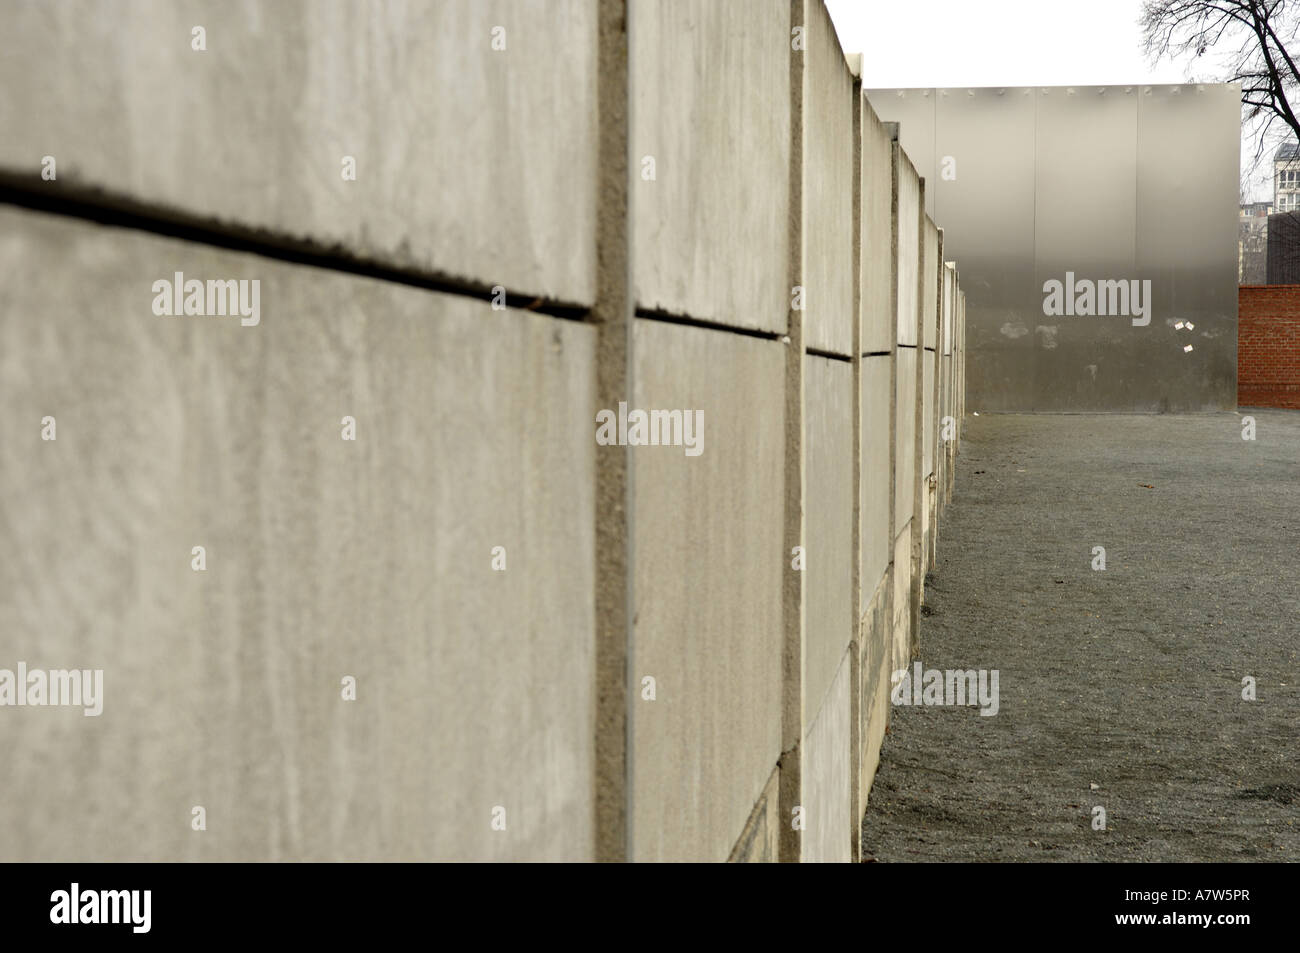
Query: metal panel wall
(1186, 190)
(985, 200)
(1084, 186)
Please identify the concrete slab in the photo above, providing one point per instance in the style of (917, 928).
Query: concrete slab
(876, 656)
(914, 111)
(471, 162)
(828, 169)
(877, 547)
(907, 251)
(827, 776)
(709, 563)
(929, 415)
(324, 558)
(828, 489)
(901, 570)
(878, 318)
(931, 270)
(706, 241)
(758, 842)
(906, 451)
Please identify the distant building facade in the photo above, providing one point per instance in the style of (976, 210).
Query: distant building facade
(1286, 178)
(1252, 243)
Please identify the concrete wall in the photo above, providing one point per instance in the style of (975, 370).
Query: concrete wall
(325, 558)
(251, 131)
(708, 567)
(909, 283)
(932, 276)
(681, 205)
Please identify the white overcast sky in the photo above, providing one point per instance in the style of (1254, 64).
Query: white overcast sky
(1005, 43)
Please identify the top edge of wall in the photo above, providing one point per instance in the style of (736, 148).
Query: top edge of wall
(928, 91)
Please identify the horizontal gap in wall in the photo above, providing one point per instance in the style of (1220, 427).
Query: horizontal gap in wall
(829, 355)
(930, 349)
(876, 353)
(691, 321)
(910, 347)
(121, 212)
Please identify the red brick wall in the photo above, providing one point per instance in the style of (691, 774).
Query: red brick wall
(1268, 346)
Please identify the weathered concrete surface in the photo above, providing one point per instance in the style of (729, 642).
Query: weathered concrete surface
(1128, 678)
(828, 487)
(877, 235)
(710, 97)
(948, 380)
(914, 111)
(708, 565)
(828, 775)
(828, 104)
(930, 265)
(324, 558)
(877, 547)
(471, 162)
(758, 841)
(875, 658)
(906, 450)
(901, 571)
(929, 492)
(907, 251)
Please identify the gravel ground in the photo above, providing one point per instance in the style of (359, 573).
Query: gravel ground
(1121, 688)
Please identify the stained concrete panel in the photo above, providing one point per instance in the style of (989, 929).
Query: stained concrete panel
(930, 414)
(711, 105)
(901, 572)
(929, 439)
(906, 451)
(472, 162)
(828, 508)
(708, 562)
(877, 546)
(325, 558)
(875, 657)
(949, 305)
(829, 825)
(760, 841)
(930, 276)
(908, 251)
(828, 169)
(877, 256)
(914, 110)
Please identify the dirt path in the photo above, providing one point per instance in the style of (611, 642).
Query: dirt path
(1129, 678)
